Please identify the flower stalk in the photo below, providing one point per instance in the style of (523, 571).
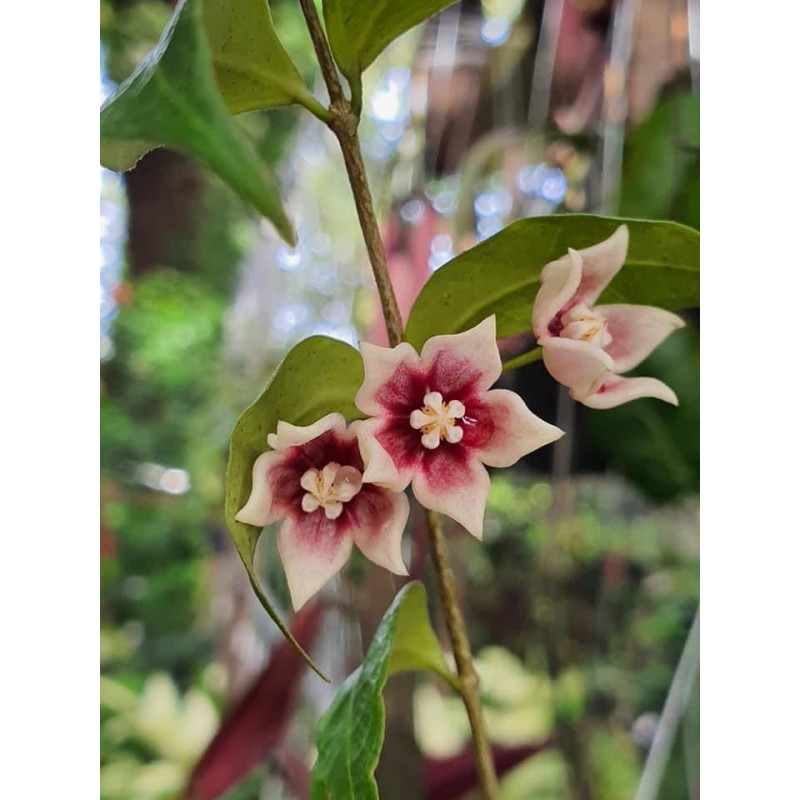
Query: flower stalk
(344, 124)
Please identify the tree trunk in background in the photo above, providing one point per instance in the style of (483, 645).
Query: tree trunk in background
(165, 203)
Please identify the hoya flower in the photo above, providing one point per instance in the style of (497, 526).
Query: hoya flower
(435, 422)
(313, 479)
(586, 346)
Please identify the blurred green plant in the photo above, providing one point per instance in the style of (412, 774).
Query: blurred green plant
(593, 606)
(150, 739)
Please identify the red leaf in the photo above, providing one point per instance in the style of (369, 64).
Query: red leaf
(258, 722)
(450, 778)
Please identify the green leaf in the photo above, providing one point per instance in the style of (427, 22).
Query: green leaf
(318, 376)
(253, 70)
(501, 275)
(172, 99)
(654, 445)
(358, 31)
(662, 161)
(350, 733)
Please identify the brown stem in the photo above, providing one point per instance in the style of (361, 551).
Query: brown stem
(324, 55)
(345, 125)
(345, 130)
(470, 689)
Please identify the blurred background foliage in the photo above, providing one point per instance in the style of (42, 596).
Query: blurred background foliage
(581, 597)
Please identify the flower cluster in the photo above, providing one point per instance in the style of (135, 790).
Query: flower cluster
(434, 423)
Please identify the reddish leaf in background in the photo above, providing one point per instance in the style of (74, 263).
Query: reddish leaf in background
(108, 543)
(451, 778)
(408, 248)
(259, 721)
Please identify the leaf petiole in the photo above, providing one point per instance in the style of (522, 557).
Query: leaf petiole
(522, 360)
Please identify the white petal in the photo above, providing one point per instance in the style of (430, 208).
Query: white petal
(601, 262)
(312, 552)
(258, 509)
(581, 366)
(559, 280)
(619, 390)
(636, 331)
(463, 361)
(381, 364)
(333, 510)
(380, 528)
(459, 491)
(379, 468)
(517, 430)
(289, 435)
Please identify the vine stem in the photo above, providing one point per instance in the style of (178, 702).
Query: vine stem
(344, 124)
(469, 684)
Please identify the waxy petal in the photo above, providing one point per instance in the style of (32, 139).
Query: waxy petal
(463, 363)
(454, 484)
(559, 282)
(258, 510)
(516, 432)
(313, 549)
(387, 378)
(601, 262)
(580, 366)
(289, 435)
(379, 517)
(636, 331)
(618, 390)
(379, 467)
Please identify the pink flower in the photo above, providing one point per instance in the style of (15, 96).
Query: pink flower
(585, 346)
(435, 423)
(313, 479)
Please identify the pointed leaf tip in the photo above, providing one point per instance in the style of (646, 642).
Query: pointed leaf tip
(350, 733)
(318, 376)
(172, 100)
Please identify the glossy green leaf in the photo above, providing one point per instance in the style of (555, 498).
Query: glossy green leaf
(318, 376)
(350, 733)
(252, 68)
(172, 99)
(501, 275)
(358, 31)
